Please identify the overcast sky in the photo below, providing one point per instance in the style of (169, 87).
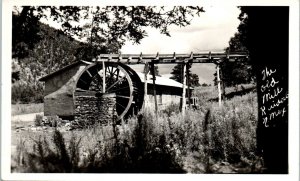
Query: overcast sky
(209, 32)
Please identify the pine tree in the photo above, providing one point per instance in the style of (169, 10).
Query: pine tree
(177, 74)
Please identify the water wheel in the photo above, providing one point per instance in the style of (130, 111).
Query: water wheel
(101, 78)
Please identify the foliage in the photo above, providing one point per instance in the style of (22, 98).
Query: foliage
(38, 49)
(38, 120)
(234, 73)
(156, 72)
(240, 71)
(107, 25)
(198, 143)
(51, 53)
(26, 88)
(177, 73)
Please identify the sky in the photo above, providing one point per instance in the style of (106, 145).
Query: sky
(209, 32)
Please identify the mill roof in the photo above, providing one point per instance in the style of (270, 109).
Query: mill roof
(159, 80)
(63, 69)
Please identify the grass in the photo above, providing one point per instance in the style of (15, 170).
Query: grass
(208, 140)
(17, 109)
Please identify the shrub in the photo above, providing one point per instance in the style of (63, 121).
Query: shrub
(38, 120)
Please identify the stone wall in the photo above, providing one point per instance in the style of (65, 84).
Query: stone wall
(91, 109)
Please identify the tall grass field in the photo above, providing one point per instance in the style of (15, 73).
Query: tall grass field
(211, 139)
(18, 109)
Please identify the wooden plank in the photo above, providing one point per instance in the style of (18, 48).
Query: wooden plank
(169, 58)
(188, 84)
(178, 56)
(133, 61)
(146, 71)
(154, 87)
(104, 77)
(219, 85)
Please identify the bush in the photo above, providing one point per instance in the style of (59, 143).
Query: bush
(38, 120)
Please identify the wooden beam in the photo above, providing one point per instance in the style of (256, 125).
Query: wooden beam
(146, 71)
(103, 78)
(188, 77)
(183, 90)
(219, 85)
(188, 84)
(154, 87)
(170, 58)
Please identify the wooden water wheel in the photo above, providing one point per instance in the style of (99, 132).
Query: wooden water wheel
(101, 78)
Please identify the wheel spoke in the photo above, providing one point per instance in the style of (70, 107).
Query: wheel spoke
(120, 88)
(115, 83)
(125, 97)
(83, 81)
(116, 69)
(113, 78)
(121, 105)
(87, 71)
(104, 77)
(109, 79)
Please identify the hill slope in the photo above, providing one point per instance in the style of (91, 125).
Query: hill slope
(54, 51)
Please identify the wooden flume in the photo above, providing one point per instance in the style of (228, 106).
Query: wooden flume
(209, 57)
(149, 60)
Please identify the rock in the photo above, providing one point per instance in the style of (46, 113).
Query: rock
(215, 167)
(226, 169)
(33, 129)
(224, 163)
(38, 128)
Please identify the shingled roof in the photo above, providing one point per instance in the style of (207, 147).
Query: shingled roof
(63, 69)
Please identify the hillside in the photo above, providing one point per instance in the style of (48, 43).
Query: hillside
(54, 51)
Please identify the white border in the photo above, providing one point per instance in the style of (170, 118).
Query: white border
(293, 93)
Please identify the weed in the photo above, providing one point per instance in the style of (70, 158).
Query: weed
(38, 120)
(17, 109)
(170, 143)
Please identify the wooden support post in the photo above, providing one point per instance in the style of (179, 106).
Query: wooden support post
(183, 90)
(146, 71)
(188, 84)
(219, 85)
(104, 76)
(154, 87)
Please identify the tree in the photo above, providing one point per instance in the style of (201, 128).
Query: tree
(177, 74)
(39, 49)
(108, 25)
(194, 80)
(264, 31)
(239, 71)
(156, 72)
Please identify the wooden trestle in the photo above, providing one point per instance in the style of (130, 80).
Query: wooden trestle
(149, 60)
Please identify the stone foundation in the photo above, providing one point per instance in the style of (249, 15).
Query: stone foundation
(91, 109)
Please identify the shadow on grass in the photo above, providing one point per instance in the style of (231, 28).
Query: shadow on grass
(141, 155)
(231, 95)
